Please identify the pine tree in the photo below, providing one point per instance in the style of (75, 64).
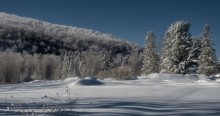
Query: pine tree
(151, 58)
(192, 59)
(208, 62)
(176, 48)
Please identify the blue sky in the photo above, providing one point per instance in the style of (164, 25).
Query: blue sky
(127, 19)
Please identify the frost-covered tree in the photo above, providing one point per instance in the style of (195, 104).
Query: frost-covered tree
(208, 62)
(192, 59)
(135, 61)
(105, 60)
(151, 58)
(65, 65)
(176, 48)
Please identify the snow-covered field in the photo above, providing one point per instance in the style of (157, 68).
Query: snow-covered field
(156, 94)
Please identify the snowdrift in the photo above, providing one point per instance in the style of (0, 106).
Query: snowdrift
(71, 79)
(188, 78)
(88, 81)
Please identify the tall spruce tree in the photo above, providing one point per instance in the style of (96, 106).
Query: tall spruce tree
(208, 62)
(151, 58)
(176, 48)
(192, 59)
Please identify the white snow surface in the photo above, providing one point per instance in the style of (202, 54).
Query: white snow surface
(155, 94)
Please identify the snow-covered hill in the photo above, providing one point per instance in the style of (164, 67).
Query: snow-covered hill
(156, 94)
(31, 35)
(38, 25)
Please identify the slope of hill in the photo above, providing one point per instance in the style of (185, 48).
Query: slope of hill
(22, 34)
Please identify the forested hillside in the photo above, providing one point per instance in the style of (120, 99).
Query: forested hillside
(62, 51)
(21, 34)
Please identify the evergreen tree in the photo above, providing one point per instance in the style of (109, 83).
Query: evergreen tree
(208, 63)
(176, 48)
(192, 59)
(151, 58)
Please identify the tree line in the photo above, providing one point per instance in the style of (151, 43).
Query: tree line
(24, 67)
(182, 53)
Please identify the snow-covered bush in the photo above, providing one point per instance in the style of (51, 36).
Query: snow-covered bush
(10, 67)
(16, 67)
(122, 73)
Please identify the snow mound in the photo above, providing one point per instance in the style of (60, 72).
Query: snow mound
(70, 79)
(88, 81)
(218, 75)
(35, 81)
(202, 81)
(176, 77)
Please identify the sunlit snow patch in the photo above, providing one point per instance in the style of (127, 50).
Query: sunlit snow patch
(35, 81)
(218, 75)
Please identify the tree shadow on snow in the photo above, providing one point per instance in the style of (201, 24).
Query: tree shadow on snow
(121, 108)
